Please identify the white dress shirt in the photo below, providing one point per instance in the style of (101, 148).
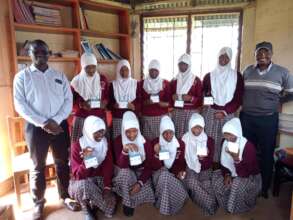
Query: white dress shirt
(39, 96)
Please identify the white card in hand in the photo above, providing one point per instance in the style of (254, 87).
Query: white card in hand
(95, 104)
(155, 98)
(208, 100)
(90, 161)
(201, 151)
(164, 155)
(123, 105)
(233, 147)
(134, 158)
(179, 103)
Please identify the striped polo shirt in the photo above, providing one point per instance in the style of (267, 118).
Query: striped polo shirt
(263, 90)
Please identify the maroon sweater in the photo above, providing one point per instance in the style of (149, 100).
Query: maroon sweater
(195, 91)
(79, 172)
(179, 163)
(155, 109)
(77, 100)
(248, 165)
(122, 159)
(118, 113)
(236, 101)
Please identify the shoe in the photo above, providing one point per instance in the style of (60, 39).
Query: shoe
(128, 211)
(38, 212)
(90, 214)
(72, 205)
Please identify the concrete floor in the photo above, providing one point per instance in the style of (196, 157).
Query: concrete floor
(270, 209)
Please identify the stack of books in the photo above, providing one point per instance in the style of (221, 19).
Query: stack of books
(101, 52)
(32, 12)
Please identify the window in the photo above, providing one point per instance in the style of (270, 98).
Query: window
(166, 38)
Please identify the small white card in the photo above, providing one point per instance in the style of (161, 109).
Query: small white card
(155, 98)
(179, 103)
(233, 147)
(95, 104)
(134, 158)
(201, 151)
(164, 155)
(90, 161)
(208, 100)
(123, 105)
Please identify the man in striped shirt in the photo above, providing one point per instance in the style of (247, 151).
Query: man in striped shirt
(266, 86)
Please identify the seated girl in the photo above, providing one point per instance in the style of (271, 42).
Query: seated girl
(133, 179)
(238, 183)
(92, 170)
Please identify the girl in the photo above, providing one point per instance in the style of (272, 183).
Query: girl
(124, 95)
(187, 95)
(92, 169)
(238, 183)
(199, 158)
(223, 90)
(155, 101)
(90, 94)
(169, 171)
(132, 181)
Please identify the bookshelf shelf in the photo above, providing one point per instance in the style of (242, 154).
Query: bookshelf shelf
(95, 6)
(44, 29)
(51, 59)
(91, 33)
(107, 61)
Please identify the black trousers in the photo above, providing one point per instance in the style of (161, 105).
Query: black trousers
(38, 142)
(262, 131)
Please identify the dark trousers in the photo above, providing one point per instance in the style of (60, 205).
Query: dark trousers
(38, 142)
(262, 132)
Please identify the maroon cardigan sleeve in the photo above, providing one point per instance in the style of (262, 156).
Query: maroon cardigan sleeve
(121, 159)
(179, 164)
(137, 100)
(77, 99)
(207, 162)
(107, 168)
(197, 96)
(248, 165)
(105, 89)
(77, 165)
(147, 168)
(167, 92)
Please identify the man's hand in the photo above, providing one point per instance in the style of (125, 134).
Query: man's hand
(52, 127)
(181, 175)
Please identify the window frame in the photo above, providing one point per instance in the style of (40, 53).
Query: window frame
(189, 15)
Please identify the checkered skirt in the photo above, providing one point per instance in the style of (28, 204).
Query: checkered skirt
(116, 127)
(77, 127)
(151, 126)
(238, 197)
(200, 190)
(169, 192)
(89, 192)
(124, 179)
(181, 119)
(213, 128)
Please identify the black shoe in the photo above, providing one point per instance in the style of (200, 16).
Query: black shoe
(38, 212)
(128, 211)
(90, 214)
(265, 194)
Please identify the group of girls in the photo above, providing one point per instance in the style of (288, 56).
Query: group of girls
(168, 141)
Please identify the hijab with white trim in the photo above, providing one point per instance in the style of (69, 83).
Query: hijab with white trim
(233, 127)
(172, 146)
(93, 124)
(88, 87)
(124, 89)
(130, 121)
(150, 85)
(185, 79)
(223, 80)
(192, 142)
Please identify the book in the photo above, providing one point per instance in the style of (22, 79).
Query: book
(86, 46)
(50, 19)
(105, 52)
(28, 17)
(97, 53)
(45, 5)
(45, 11)
(100, 52)
(114, 55)
(18, 16)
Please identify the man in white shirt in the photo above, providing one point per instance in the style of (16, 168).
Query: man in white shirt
(42, 96)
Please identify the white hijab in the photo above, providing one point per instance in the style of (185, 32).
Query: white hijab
(124, 89)
(130, 121)
(192, 142)
(233, 127)
(223, 80)
(167, 124)
(185, 79)
(93, 124)
(150, 85)
(87, 87)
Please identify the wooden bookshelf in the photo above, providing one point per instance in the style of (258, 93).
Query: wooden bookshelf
(75, 32)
